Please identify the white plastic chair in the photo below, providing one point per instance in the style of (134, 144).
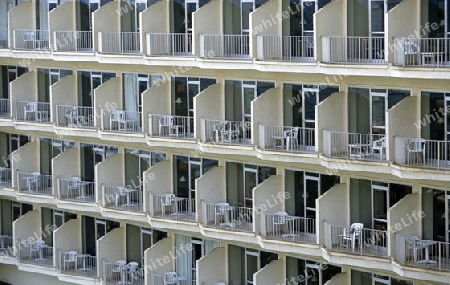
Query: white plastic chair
(70, 257)
(166, 121)
(414, 245)
(221, 210)
(167, 200)
(30, 108)
(412, 51)
(416, 146)
(380, 146)
(34, 178)
(73, 184)
(35, 247)
(170, 278)
(119, 192)
(350, 235)
(132, 268)
(279, 220)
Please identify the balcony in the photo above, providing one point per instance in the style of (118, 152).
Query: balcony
(354, 146)
(33, 111)
(78, 264)
(73, 41)
(360, 241)
(287, 139)
(74, 116)
(169, 206)
(422, 153)
(289, 228)
(353, 50)
(423, 52)
(169, 44)
(32, 40)
(227, 132)
(5, 111)
(125, 43)
(35, 183)
(122, 198)
(3, 38)
(224, 46)
(5, 177)
(224, 216)
(117, 273)
(36, 253)
(286, 48)
(121, 121)
(420, 253)
(169, 126)
(170, 278)
(76, 190)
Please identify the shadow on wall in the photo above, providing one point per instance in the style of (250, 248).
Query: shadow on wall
(4, 283)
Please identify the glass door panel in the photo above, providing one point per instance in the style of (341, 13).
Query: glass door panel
(191, 7)
(378, 108)
(193, 90)
(100, 228)
(58, 218)
(311, 193)
(146, 241)
(248, 95)
(140, 6)
(195, 171)
(376, 17)
(252, 265)
(246, 8)
(197, 253)
(380, 205)
(250, 182)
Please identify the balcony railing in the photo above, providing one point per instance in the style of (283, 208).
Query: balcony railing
(169, 126)
(75, 116)
(5, 177)
(169, 206)
(286, 48)
(122, 198)
(224, 216)
(289, 228)
(227, 132)
(158, 279)
(74, 190)
(422, 153)
(3, 38)
(78, 264)
(169, 44)
(5, 111)
(354, 146)
(34, 183)
(428, 254)
(130, 274)
(119, 42)
(353, 50)
(36, 253)
(358, 241)
(289, 139)
(6, 245)
(34, 40)
(225, 46)
(33, 111)
(426, 52)
(73, 41)
(121, 121)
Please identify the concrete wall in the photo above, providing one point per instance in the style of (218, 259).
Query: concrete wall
(61, 19)
(265, 200)
(334, 12)
(12, 275)
(22, 16)
(264, 21)
(162, 171)
(407, 11)
(158, 251)
(156, 100)
(331, 115)
(338, 279)
(67, 238)
(105, 95)
(206, 20)
(211, 269)
(27, 227)
(65, 165)
(23, 88)
(267, 109)
(337, 195)
(154, 20)
(209, 104)
(110, 247)
(211, 188)
(109, 172)
(272, 273)
(28, 162)
(105, 19)
(63, 92)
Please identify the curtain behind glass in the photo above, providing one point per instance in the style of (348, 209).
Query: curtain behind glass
(183, 262)
(210, 245)
(131, 94)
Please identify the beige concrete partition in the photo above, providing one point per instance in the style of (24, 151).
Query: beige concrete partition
(28, 161)
(407, 11)
(154, 19)
(331, 115)
(63, 92)
(339, 279)
(268, 198)
(208, 104)
(402, 219)
(22, 16)
(400, 123)
(335, 13)
(157, 181)
(211, 188)
(107, 96)
(23, 88)
(206, 20)
(337, 195)
(264, 22)
(267, 109)
(26, 229)
(62, 18)
(66, 238)
(155, 100)
(272, 273)
(211, 269)
(110, 248)
(105, 19)
(159, 251)
(65, 165)
(109, 172)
